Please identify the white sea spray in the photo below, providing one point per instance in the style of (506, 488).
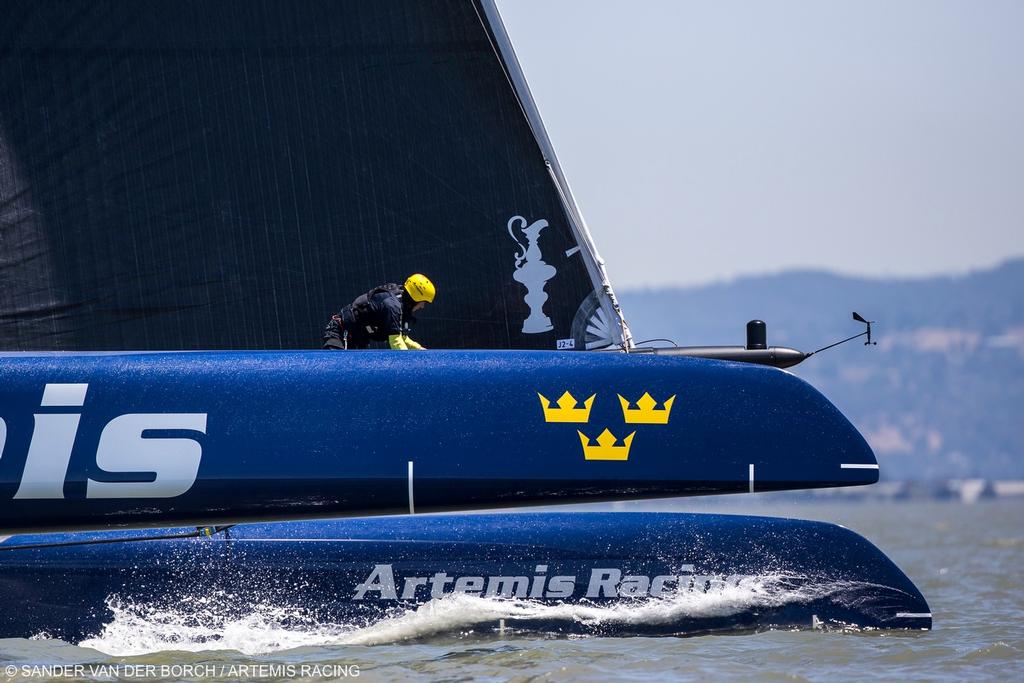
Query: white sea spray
(200, 624)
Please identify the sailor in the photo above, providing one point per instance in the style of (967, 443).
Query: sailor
(383, 313)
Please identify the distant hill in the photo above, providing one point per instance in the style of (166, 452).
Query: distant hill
(942, 395)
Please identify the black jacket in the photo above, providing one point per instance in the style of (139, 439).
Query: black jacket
(374, 316)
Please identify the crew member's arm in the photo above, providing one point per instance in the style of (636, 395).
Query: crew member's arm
(392, 310)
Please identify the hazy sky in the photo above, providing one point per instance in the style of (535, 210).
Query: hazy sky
(705, 140)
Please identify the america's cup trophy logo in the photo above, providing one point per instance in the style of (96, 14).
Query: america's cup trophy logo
(531, 272)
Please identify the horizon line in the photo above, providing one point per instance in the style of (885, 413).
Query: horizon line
(726, 280)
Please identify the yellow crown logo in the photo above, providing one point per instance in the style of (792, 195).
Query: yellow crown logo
(566, 410)
(605, 448)
(645, 413)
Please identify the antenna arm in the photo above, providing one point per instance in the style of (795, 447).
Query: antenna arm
(826, 348)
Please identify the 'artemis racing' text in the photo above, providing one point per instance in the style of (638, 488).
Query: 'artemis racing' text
(601, 583)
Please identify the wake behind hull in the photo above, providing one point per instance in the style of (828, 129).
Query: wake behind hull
(101, 440)
(408, 577)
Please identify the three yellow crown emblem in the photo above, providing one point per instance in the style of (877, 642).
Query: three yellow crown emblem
(606, 448)
(566, 410)
(645, 412)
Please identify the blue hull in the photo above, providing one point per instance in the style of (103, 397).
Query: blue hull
(597, 573)
(91, 441)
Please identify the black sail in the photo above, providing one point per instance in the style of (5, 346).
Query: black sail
(206, 175)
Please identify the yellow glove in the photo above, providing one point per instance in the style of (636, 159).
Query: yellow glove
(400, 342)
(413, 344)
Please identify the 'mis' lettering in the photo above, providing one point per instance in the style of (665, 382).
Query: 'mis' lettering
(169, 465)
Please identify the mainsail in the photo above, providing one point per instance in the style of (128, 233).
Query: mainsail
(194, 175)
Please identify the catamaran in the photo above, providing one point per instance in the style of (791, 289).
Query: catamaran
(188, 190)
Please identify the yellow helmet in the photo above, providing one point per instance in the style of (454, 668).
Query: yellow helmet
(420, 288)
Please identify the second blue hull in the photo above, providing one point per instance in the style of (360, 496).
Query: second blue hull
(597, 573)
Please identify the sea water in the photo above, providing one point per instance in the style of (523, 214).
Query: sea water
(966, 559)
